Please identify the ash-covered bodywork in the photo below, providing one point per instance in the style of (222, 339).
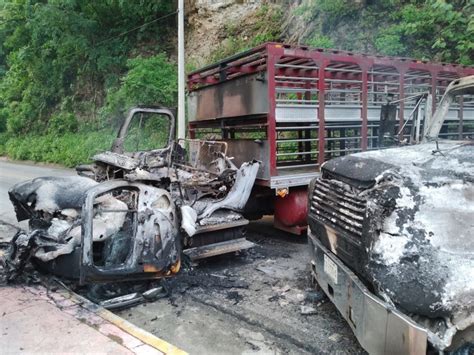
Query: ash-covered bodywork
(391, 238)
(115, 230)
(403, 220)
(128, 215)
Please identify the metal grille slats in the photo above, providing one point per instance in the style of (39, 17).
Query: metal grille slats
(338, 207)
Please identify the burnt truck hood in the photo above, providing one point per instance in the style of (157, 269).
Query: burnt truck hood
(450, 159)
(356, 171)
(418, 237)
(48, 194)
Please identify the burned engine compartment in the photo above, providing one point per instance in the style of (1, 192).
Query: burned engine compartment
(130, 214)
(401, 219)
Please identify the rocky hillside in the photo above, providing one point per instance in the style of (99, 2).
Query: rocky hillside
(430, 29)
(216, 29)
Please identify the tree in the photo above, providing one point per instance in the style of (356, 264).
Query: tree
(66, 54)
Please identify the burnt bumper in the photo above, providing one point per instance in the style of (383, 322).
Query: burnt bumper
(378, 326)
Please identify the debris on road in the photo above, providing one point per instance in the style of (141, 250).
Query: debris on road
(335, 337)
(234, 296)
(314, 296)
(307, 310)
(272, 269)
(191, 278)
(123, 301)
(256, 340)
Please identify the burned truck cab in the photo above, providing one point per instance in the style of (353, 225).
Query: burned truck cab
(112, 231)
(130, 214)
(391, 240)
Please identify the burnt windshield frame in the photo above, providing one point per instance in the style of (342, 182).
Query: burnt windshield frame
(118, 145)
(459, 87)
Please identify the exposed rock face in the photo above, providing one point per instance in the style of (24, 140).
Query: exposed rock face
(236, 24)
(208, 22)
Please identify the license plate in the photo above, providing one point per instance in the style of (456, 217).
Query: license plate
(330, 268)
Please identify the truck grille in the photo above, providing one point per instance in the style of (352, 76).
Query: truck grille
(333, 205)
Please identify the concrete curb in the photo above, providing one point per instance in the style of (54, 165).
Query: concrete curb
(138, 333)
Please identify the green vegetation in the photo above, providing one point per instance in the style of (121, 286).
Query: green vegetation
(149, 81)
(434, 30)
(69, 149)
(424, 29)
(320, 41)
(67, 66)
(147, 132)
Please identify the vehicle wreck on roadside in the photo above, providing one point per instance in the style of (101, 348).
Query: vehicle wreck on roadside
(391, 238)
(129, 215)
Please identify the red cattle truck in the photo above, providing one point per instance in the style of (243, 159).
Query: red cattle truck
(294, 107)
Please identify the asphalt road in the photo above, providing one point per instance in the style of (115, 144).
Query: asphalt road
(14, 172)
(249, 303)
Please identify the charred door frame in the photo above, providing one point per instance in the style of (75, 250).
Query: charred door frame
(131, 269)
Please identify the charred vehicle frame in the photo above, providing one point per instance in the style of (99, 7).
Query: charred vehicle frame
(129, 215)
(390, 234)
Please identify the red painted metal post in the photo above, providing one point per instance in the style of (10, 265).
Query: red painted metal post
(321, 125)
(271, 127)
(191, 131)
(401, 97)
(434, 76)
(364, 128)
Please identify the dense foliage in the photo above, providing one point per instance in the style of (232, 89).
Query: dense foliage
(69, 149)
(431, 30)
(67, 66)
(149, 81)
(59, 58)
(424, 29)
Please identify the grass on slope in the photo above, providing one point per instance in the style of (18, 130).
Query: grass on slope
(69, 149)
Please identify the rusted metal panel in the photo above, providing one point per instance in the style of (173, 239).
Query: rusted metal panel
(271, 133)
(319, 104)
(364, 143)
(321, 113)
(243, 150)
(238, 97)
